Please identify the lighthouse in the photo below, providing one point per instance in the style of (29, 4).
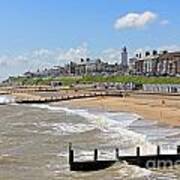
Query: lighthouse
(124, 57)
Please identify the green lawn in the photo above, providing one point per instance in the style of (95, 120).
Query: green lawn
(135, 79)
(92, 79)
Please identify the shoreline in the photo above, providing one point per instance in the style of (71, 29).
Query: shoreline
(161, 109)
(155, 107)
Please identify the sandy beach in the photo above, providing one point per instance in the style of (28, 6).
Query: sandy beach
(164, 109)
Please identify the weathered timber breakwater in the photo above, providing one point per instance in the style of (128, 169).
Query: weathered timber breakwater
(144, 161)
(67, 97)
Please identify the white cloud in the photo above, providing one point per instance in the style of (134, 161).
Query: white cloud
(39, 58)
(47, 58)
(135, 20)
(111, 55)
(10, 65)
(164, 22)
(74, 54)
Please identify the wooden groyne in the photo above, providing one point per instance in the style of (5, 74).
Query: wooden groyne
(67, 97)
(152, 161)
(26, 89)
(88, 165)
(144, 161)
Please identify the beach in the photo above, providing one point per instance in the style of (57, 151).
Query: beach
(162, 108)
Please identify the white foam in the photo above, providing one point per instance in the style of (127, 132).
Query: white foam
(136, 172)
(63, 128)
(6, 99)
(114, 130)
(52, 108)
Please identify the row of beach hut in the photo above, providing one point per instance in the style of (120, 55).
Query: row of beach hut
(162, 88)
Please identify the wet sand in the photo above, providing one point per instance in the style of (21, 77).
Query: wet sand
(164, 109)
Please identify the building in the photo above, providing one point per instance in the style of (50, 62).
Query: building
(139, 64)
(147, 64)
(169, 64)
(124, 58)
(132, 62)
(93, 67)
(29, 74)
(52, 72)
(162, 88)
(71, 67)
(159, 64)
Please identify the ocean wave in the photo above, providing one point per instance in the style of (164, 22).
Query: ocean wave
(113, 127)
(63, 128)
(126, 171)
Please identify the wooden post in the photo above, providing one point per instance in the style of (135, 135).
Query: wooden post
(95, 155)
(70, 146)
(138, 154)
(178, 150)
(157, 158)
(117, 153)
(71, 154)
(138, 151)
(158, 150)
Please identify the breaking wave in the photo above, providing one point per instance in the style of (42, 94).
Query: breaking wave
(63, 128)
(114, 127)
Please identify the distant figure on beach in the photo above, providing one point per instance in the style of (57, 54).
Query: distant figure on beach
(163, 102)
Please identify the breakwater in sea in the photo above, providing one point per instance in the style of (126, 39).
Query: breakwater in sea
(67, 97)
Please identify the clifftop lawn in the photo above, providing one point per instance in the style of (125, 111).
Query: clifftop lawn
(95, 79)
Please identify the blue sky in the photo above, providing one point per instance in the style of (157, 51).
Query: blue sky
(46, 32)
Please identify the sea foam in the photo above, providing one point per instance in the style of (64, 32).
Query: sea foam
(6, 100)
(114, 127)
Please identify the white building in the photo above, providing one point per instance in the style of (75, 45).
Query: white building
(124, 57)
(132, 65)
(162, 88)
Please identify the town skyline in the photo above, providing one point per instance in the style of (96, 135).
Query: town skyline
(53, 32)
(116, 67)
(149, 63)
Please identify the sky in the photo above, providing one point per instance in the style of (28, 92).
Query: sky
(42, 33)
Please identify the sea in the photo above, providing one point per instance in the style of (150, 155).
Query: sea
(34, 142)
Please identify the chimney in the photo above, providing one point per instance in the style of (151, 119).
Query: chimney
(155, 52)
(88, 59)
(147, 53)
(165, 52)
